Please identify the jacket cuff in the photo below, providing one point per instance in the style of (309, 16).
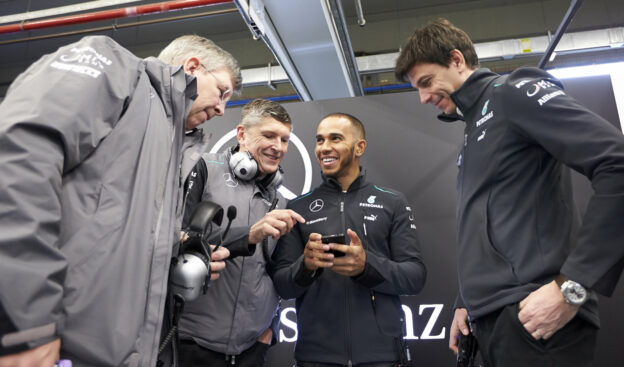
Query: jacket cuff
(22, 340)
(303, 278)
(241, 247)
(369, 278)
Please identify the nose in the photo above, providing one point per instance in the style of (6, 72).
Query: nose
(278, 144)
(424, 96)
(325, 146)
(220, 108)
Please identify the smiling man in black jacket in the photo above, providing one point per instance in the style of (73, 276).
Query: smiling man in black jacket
(348, 307)
(527, 273)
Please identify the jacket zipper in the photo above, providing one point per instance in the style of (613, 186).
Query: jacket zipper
(240, 282)
(347, 303)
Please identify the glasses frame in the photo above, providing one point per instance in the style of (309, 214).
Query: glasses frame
(224, 93)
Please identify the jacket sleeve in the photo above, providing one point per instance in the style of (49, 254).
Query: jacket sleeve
(577, 137)
(54, 116)
(404, 273)
(289, 277)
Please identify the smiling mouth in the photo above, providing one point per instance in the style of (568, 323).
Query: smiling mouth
(328, 161)
(272, 157)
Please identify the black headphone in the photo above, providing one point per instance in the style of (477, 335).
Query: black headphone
(245, 168)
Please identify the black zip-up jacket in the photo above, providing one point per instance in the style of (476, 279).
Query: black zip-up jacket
(517, 222)
(351, 320)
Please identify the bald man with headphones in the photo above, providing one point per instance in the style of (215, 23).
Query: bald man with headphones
(236, 320)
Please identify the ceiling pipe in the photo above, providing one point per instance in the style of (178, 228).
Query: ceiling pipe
(131, 11)
(114, 27)
(575, 5)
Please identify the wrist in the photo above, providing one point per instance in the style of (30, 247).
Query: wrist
(573, 292)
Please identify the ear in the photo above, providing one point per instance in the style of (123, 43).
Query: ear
(191, 65)
(240, 136)
(360, 147)
(457, 59)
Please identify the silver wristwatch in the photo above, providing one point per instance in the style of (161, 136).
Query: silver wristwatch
(572, 292)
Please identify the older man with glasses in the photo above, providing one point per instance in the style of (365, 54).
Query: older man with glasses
(91, 141)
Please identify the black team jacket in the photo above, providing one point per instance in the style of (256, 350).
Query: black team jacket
(516, 217)
(351, 320)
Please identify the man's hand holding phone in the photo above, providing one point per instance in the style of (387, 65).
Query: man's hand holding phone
(353, 260)
(315, 255)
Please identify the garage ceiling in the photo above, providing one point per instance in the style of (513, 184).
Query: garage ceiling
(388, 24)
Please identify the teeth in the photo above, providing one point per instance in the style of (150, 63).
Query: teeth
(328, 160)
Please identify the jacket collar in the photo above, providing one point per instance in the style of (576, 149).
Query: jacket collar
(177, 90)
(469, 93)
(333, 184)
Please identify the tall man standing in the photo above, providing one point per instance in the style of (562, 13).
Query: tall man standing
(527, 273)
(234, 323)
(91, 139)
(348, 307)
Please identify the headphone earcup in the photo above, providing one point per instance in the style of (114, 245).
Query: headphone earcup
(244, 166)
(190, 275)
(275, 179)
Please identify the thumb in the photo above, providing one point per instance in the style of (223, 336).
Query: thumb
(355, 240)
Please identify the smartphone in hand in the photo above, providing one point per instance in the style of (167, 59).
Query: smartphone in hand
(334, 238)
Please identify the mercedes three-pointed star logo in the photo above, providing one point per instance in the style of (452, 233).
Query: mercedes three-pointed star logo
(316, 205)
(229, 180)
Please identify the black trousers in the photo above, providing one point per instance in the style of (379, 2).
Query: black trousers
(504, 342)
(192, 355)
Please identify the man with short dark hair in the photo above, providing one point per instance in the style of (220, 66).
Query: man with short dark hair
(91, 143)
(527, 274)
(236, 321)
(348, 307)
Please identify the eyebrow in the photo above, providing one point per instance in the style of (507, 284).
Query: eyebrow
(420, 80)
(331, 135)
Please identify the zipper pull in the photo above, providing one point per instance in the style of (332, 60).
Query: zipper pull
(233, 361)
(342, 206)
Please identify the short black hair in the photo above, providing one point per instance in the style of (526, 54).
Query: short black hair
(355, 122)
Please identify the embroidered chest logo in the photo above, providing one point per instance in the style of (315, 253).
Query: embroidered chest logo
(485, 114)
(316, 205)
(308, 222)
(371, 217)
(482, 135)
(371, 199)
(229, 180)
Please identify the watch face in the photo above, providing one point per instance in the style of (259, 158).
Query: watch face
(573, 292)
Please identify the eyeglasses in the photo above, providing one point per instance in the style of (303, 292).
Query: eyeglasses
(224, 92)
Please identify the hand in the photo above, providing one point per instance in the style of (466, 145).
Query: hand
(458, 325)
(216, 261)
(265, 337)
(42, 356)
(354, 261)
(275, 223)
(314, 255)
(545, 311)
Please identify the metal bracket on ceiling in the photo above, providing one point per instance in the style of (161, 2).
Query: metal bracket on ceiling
(575, 5)
(270, 83)
(360, 13)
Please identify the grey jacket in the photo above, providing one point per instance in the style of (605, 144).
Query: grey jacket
(243, 302)
(89, 175)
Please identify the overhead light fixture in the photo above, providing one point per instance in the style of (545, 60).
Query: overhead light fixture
(588, 70)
